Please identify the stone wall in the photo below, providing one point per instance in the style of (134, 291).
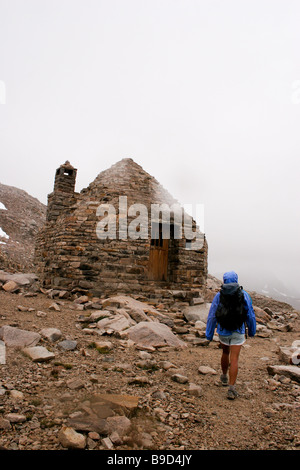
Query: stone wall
(63, 195)
(69, 255)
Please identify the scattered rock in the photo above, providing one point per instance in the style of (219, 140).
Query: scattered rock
(15, 418)
(10, 286)
(182, 379)
(16, 395)
(51, 334)
(39, 354)
(118, 424)
(104, 346)
(195, 390)
(124, 403)
(115, 438)
(261, 315)
(292, 372)
(68, 345)
(21, 308)
(94, 435)
(206, 370)
(286, 354)
(197, 312)
(141, 381)
(166, 365)
(81, 300)
(4, 424)
(197, 301)
(200, 342)
(89, 423)
(263, 332)
(107, 444)
(55, 307)
(71, 439)
(144, 355)
(115, 323)
(138, 311)
(44, 396)
(15, 337)
(41, 314)
(200, 325)
(154, 334)
(75, 384)
(159, 395)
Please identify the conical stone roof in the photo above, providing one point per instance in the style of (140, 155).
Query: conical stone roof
(127, 178)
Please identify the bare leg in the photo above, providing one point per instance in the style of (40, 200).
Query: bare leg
(225, 358)
(234, 358)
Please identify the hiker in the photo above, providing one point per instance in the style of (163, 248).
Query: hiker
(231, 311)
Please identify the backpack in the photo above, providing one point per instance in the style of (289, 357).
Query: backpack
(231, 312)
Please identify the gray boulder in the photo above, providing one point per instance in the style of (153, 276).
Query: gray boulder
(115, 323)
(197, 312)
(17, 338)
(154, 334)
(20, 279)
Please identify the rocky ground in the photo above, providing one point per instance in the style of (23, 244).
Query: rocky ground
(97, 388)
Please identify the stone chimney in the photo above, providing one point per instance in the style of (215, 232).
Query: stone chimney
(62, 196)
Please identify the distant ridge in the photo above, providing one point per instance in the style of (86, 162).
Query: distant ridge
(21, 216)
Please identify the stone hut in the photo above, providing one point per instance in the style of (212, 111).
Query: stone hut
(124, 233)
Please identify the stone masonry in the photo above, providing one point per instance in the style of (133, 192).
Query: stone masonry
(70, 255)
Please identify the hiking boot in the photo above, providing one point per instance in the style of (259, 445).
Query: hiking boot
(224, 379)
(232, 393)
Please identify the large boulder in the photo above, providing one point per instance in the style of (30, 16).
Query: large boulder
(17, 338)
(261, 315)
(21, 279)
(197, 312)
(138, 311)
(153, 334)
(114, 323)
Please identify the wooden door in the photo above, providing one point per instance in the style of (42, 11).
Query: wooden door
(158, 259)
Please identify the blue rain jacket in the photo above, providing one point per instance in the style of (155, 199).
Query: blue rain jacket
(211, 324)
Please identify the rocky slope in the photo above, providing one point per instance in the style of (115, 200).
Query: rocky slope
(21, 216)
(117, 373)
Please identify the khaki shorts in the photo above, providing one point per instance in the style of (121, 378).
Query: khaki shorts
(235, 339)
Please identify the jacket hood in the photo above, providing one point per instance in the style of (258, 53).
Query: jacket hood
(230, 277)
(230, 288)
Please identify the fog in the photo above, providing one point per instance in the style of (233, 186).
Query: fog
(205, 95)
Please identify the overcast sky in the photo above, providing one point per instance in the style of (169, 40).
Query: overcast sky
(204, 94)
